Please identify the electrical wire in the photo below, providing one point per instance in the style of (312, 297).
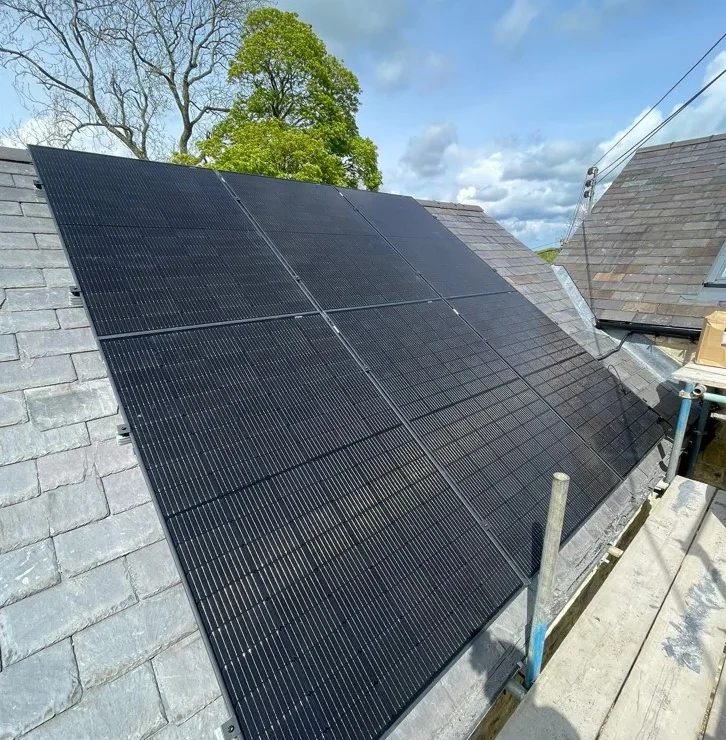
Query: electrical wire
(666, 121)
(648, 136)
(655, 105)
(616, 349)
(573, 219)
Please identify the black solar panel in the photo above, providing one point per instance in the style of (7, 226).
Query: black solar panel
(443, 260)
(139, 268)
(610, 418)
(97, 190)
(491, 430)
(340, 257)
(335, 570)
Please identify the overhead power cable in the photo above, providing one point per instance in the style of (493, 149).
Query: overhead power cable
(573, 220)
(665, 122)
(655, 105)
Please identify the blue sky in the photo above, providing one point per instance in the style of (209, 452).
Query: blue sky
(505, 103)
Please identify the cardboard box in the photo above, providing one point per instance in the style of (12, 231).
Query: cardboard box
(712, 344)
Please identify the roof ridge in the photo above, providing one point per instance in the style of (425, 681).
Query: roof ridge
(449, 205)
(683, 142)
(14, 154)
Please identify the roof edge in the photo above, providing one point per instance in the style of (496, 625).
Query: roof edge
(14, 154)
(449, 206)
(684, 142)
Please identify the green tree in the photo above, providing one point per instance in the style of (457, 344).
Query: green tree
(295, 115)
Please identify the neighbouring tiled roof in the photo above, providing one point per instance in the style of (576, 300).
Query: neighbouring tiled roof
(536, 280)
(653, 236)
(97, 637)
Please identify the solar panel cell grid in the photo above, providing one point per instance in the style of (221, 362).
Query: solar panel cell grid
(145, 279)
(301, 564)
(339, 256)
(442, 259)
(492, 432)
(351, 270)
(609, 418)
(96, 190)
(398, 215)
(296, 207)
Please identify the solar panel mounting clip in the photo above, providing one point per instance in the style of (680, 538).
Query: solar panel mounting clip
(37, 184)
(76, 299)
(123, 434)
(230, 730)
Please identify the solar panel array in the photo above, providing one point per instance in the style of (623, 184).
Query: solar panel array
(352, 495)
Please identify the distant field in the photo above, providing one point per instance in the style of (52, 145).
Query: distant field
(549, 255)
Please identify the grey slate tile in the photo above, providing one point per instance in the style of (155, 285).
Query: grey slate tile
(128, 708)
(63, 610)
(38, 688)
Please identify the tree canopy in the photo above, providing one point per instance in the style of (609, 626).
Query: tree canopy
(295, 114)
(135, 69)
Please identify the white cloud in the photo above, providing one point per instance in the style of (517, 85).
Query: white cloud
(532, 187)
(705, 116)
(589, 16)
(348, 26)
(425, 155)
(374, 32)
(514, 24)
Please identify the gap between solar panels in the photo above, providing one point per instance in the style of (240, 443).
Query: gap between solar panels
(347, 499)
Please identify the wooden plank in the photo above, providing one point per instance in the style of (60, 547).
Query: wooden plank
(580, 684)
(668, 690)
(713, 377)
(716, 727)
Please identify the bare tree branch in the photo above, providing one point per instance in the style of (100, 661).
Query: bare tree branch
(134, 68)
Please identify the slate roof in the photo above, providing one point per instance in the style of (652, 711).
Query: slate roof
(644, 251)
(97, 638)
(536, 280)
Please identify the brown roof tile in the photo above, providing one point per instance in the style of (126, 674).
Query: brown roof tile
(661, 222)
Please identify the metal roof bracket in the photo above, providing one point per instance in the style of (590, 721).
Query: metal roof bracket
(123, 434)
(230, 730)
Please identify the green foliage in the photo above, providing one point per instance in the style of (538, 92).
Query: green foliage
(549, 255)
(295, 115)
